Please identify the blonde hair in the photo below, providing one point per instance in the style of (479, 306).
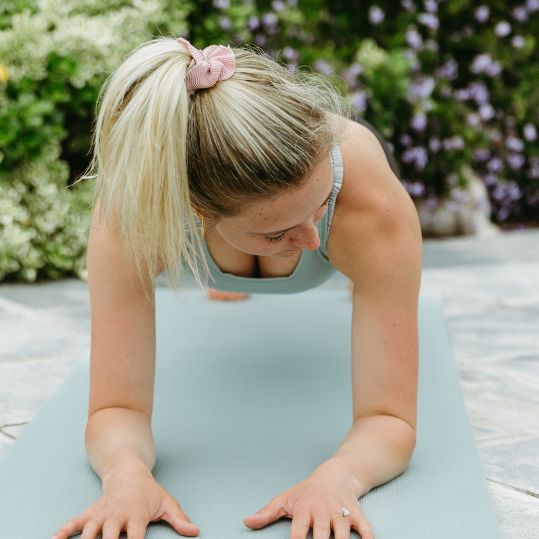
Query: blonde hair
(159, 154)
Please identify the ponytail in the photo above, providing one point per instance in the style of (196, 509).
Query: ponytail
(140, 158)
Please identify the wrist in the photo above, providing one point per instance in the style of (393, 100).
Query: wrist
(337, 467)
(127, 464)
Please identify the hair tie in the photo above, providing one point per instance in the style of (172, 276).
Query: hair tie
(209, 65)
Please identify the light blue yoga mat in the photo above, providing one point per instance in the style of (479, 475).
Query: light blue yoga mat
(250, 397)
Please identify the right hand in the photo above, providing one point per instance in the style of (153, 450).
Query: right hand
(131, 499)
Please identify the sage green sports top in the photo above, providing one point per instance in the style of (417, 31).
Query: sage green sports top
(313, 268)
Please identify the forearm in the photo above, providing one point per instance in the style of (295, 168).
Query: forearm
(117, 435)
(376, 449)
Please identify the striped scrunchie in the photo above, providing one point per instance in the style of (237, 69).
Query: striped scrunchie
(209, 65)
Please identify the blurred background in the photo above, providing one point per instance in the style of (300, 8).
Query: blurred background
(451, 85)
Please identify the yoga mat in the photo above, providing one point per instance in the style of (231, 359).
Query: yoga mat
(250, 397)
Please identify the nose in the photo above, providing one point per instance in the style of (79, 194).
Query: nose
(307, 238)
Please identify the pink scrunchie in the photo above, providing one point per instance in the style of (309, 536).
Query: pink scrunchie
(209, 65)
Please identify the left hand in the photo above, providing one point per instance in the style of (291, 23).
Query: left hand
(312, 503)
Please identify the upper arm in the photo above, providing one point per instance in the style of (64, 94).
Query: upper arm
(380, 250)
(122, 357)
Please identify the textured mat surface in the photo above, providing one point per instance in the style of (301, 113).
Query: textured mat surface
(250, 397)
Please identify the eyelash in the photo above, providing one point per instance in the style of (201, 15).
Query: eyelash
(277, 239)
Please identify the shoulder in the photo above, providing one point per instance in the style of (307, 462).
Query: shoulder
(375, 218)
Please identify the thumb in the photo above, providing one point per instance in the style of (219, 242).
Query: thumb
(180, 522)
(264, 516)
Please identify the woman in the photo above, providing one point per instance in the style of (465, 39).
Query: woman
(271, 163)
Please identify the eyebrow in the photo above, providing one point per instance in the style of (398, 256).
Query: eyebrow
(286, 230)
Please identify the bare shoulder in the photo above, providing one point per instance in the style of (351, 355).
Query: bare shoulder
(372, 206)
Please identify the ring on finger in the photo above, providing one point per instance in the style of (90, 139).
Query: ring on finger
(344, 513)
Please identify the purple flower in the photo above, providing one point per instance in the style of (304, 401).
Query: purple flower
(413, 38)
(430, 20)
(292, 3)
(459, 195)
(490, 179)
(478, 92)
(419, 122)
(431, 6)
(486, 112)
(494, 165)
(408, 5)
(290, 54)
(502, 29)
(481, 154)
(417, 155)
(520, 14)
(473, 119)
(260, 40)
(221, 4)
(253, 22)
(278, 5)
(533, 171)
(423, 88)
(224, 22)
(453, 143)
(323, 66)
(515, 160)
(518, 42)
(431, 202)
(463, 94)
(435, 144)
(532, 5)
(405, 139)
(359, 100)
(417, 189)
(481, 63)
(514, 143)
(530, 132)
(269, 19)
(376, 15)
(449, 70)
(503, 213)
(482, 13)
(351, 73)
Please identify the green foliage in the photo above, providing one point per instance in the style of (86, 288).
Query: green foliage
(450, 84)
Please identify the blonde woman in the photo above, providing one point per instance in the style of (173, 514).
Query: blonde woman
(225, 159)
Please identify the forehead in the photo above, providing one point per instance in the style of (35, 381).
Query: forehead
(292, 206)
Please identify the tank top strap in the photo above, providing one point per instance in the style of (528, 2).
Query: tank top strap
(338, 176)
(325, 223)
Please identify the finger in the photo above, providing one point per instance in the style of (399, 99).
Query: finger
(341, 528)
(321, 528)
(271, 512)
(136, 529)
(301, 522)
(112, 529)
(91, 530)
(364, 529)
(71, 526)
(180, 521)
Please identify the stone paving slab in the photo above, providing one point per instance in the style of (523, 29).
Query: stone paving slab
(491, 301)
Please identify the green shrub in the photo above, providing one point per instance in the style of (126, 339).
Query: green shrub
(450, 84)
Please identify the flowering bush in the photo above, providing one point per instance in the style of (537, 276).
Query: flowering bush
(54, 57)
(450, 84)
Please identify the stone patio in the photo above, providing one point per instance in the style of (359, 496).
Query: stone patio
(490, 287)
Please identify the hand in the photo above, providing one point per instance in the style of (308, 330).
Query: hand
(131, 499)
(312, 503)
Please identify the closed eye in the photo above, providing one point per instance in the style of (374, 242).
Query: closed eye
(280, 237)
